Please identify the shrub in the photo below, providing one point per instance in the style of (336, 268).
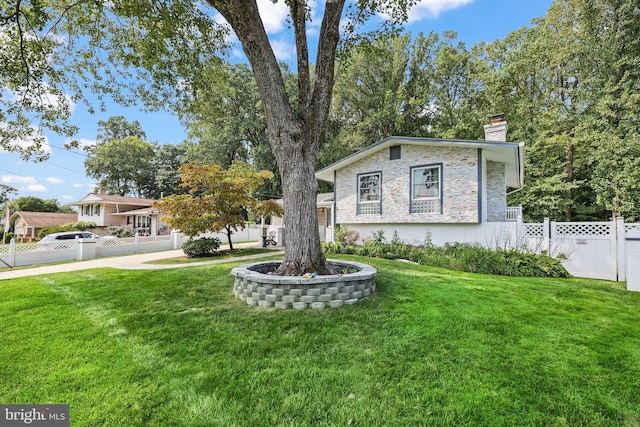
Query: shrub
(8, 237)
(120, 231)
(378, 237)
(201, 247)
(345, 236)
(460, 256)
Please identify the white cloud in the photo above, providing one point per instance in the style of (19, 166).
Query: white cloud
(67, 197)
(23, 183)
(53, 180)
(283, 49)
(77, 185)
(17, 179)
(274, 15)
(429, 9)
(36, 188)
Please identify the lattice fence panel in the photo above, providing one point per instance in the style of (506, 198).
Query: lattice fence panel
(30, 247)
(533, 230)
(583, 229)
(631, 227)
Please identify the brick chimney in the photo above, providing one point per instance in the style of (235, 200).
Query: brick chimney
(496, 130)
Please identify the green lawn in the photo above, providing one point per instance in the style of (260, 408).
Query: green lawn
(432, 347)
(221, 254)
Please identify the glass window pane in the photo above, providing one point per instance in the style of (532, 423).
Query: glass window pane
(426, 183)
(370, 188)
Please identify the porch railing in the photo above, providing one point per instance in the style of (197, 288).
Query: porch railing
(513, 212)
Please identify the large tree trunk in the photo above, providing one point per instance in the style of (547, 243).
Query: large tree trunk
(303, 253)
(294, 133)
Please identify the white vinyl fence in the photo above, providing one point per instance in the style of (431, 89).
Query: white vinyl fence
(596, 250)
(16, 255)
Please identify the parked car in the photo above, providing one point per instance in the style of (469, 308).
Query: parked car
(61, 240)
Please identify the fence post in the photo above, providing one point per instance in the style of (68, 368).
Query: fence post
(12, 252)
(519, 232)
(621, 253)
(546, 235)
(174, 239)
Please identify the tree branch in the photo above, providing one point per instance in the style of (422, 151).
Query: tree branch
(299, 16)
(244, 18)
(325, 64)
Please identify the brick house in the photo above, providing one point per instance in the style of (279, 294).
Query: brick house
(454, 189)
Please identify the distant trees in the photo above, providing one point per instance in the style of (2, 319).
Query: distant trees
(118, 127)
(35, 204)
(570, 86)
(125, 164)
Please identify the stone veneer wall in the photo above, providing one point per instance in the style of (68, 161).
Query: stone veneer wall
(256, 288)
(496, 192)
(460, 186)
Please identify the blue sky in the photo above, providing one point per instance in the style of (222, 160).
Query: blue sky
(63, 177)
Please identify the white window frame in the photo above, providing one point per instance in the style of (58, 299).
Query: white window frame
(426, 204)
(369, 207)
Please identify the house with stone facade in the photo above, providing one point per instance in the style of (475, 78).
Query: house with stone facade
(453, 190)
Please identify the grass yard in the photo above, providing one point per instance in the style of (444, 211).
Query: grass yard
(433, 347)
(220, 254)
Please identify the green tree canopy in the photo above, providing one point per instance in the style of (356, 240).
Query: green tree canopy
(118, 127)
(123, 166)
(36, 204)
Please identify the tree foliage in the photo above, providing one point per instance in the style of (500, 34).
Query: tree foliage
(118, 127)
(123, 166)
(570, 86)
(55, 52)
(217, 201)
(36, 204)
(126, 164)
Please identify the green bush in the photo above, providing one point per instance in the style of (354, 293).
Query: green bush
(459, 256)
(205, 246)
(345, 236)
(70, 226)
(8, 237)
(120, 231)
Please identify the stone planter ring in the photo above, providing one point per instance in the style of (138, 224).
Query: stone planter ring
(253, 286)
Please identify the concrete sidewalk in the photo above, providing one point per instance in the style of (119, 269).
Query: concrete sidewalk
(127, 262)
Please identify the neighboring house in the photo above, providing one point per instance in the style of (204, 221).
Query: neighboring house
(325, 217)
(28, 224)
(106, 210)
(455, 190)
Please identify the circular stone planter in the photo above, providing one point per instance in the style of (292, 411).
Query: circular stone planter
(253, 286)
